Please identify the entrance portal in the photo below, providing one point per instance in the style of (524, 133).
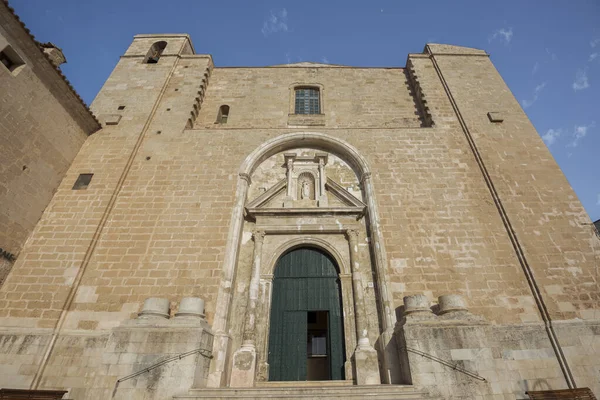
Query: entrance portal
(306, 339)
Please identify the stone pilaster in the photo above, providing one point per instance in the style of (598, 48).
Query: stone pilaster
(221, 340)
(244, 359)
(250, 322)
(349, 323)
(365, 356)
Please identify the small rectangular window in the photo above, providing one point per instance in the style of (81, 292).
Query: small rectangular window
(83, 181)
(10, 59)
(307, 101)
(121, 107)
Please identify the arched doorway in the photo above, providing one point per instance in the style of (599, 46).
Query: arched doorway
(306, 339)
(223, 319)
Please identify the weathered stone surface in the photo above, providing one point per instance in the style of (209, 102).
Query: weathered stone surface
(43, 124)
(174, 211)
(462, 360)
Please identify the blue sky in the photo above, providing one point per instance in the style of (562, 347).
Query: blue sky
(547, 51)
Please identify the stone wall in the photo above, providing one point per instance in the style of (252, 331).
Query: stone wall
(458, 355)
(549, 222)
(350, 97)
(155, 219)
(43, 124)
(89, 364)
(168, 226)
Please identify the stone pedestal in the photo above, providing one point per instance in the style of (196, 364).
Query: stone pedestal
(190, 307)
(451, 303)
(417, 307)
(416, 303)
(155, 307)
(367, 366)
(244, 366)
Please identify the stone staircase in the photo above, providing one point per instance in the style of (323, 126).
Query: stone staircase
(309, 390)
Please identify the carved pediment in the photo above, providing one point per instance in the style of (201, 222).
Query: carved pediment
(306, 189)
(275, 201)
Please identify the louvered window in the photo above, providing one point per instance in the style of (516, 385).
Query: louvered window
(307, 101)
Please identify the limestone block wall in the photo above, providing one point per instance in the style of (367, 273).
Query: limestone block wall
(461, 356)
(43, 124)
(90, 364)
(550, 222)
(21, 352)
(350, 97)
(154, 220)
(72, 225)
(169, 224)
(580, 341)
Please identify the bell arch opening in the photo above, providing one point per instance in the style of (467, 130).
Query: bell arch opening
(306, 335)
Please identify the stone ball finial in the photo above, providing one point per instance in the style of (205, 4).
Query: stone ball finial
(191, 307)
(155, 307)
(416, 303)
(451, 303)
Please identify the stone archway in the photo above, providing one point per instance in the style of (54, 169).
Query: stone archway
(348, 308)
(346, 152)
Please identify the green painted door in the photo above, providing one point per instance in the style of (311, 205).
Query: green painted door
(305, 280)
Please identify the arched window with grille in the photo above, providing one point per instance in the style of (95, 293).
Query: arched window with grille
(307, 100)
(155, 52)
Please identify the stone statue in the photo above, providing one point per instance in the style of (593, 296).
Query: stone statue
(305, 190)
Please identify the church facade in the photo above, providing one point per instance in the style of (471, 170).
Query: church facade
(305, 228)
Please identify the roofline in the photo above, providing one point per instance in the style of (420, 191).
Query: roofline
(320, 66)
(159, 35)
(47, 58)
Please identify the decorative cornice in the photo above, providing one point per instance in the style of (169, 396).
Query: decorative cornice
(359, 211)
(311, 228)
(266, 196)
(343, 194)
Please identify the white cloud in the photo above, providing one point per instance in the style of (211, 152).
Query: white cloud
(593, 56)
(551, 54)
(595, 42)
(550, 136)
(579, 132)
(325, 60)
(536, 94)
(536, 66)
(505, 35)
(581, 80)
(276, 22)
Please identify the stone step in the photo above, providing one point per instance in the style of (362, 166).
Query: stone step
(309, 391)
(280, 384)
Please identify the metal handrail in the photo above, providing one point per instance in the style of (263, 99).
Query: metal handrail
(446, 363)
(204, 352)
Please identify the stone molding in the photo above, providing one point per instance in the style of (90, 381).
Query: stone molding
(360, 166)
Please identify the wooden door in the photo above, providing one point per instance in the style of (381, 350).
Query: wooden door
(306, 279)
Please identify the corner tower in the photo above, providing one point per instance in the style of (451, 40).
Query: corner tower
(160, 77)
